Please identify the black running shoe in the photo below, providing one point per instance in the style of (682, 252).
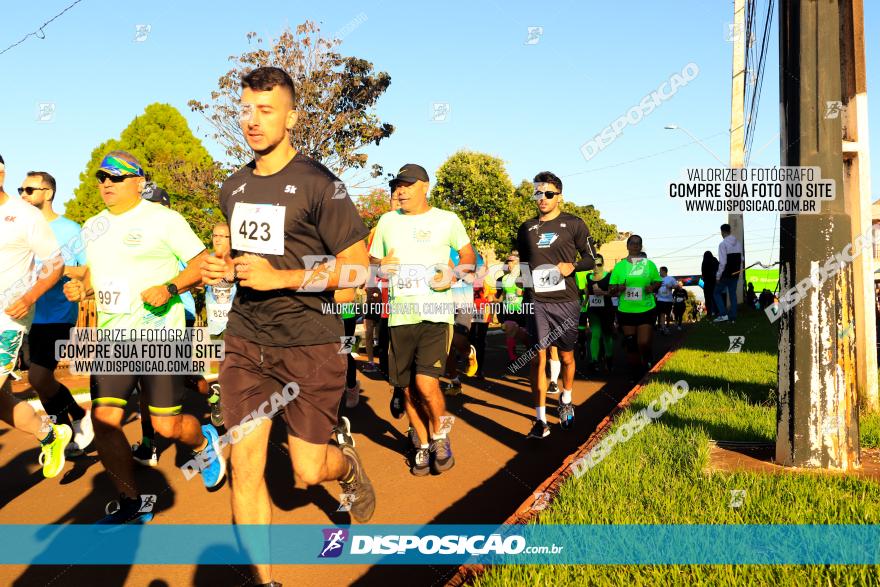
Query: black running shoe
(540, 429)
(342, 433)
(145, 454)
(364, 503)
(552, 388)
(397, 403)
(126, 510)
(214, 405)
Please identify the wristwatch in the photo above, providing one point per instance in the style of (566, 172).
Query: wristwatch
(172, 289)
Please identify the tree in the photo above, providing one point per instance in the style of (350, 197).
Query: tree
(600, 230)
(173, 157)
(477, 188)
(335, 98)
(372, 205)
(524, 201)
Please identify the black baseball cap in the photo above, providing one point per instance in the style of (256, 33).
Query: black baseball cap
(409, 173)
(153, 193)
(1, 160)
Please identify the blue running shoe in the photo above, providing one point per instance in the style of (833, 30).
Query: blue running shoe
(215, 469)
(125, 510)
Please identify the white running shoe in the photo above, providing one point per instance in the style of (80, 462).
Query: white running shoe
(353, 395)
(720, 319)
(83, 432)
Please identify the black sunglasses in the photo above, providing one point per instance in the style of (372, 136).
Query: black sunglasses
(548, 195)
(103, 176)
(30, 190)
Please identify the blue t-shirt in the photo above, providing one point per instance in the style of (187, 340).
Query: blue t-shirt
(462, 291)
(186, 298)
(52, 307)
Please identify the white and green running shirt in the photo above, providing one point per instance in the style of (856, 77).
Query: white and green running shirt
(135, 251)
(421, 242)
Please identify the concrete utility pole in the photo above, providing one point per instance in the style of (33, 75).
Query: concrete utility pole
(817, 410)
(737, 122)
(857, 189)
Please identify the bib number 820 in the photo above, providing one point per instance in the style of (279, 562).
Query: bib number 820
(262, 228)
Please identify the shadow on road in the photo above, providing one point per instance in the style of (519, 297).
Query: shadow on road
(515, 480)
(88, 511)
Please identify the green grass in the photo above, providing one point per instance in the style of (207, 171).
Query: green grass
(659, 477)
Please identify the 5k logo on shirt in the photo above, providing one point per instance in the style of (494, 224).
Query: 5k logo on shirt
(546, 239)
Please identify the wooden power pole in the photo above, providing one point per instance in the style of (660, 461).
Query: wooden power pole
(857, 190)
(737, 123)
(817, 408)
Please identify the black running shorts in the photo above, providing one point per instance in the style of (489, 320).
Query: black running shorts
(164, 392)
(636, 318)
(41, 341)
(421, 348)
(555, 324)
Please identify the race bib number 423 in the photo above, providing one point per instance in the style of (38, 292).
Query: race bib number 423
(258, 228)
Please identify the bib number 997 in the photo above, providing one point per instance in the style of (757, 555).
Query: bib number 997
(108, 298)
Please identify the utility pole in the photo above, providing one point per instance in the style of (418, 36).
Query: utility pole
(817, 407)
(737, 123)
(857, 191)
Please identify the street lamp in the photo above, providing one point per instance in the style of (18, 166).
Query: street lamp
(696, 140)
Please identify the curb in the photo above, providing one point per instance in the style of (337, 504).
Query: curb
(524, 513)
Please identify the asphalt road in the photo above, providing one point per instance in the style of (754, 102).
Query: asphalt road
(496, 469)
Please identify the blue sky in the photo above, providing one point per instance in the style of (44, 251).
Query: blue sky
(533, 105)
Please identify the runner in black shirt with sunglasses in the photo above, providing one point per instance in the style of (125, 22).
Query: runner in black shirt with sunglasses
(549, 245)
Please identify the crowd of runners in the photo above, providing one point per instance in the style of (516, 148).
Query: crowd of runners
(290, 250)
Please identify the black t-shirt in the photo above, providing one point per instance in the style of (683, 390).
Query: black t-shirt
(679, 296)
(318, 220)
(548, 243)
(604, 284)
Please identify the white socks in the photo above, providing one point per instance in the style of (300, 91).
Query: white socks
(541, 413)
(566, 396)
(555, 368)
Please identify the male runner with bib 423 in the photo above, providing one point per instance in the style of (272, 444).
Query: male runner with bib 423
(285, 210)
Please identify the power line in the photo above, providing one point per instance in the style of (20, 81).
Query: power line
(637, 159)
(39, 32)
(761, 59)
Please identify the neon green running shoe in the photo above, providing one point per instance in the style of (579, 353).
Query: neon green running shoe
(52, 455)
